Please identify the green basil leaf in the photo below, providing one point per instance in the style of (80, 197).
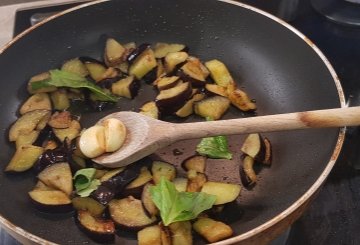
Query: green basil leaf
(214, 147)
(92, 187)
(83, 178)
(179, 206)
(60, 78)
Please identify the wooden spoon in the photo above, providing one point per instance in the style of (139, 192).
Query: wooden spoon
(146, 135)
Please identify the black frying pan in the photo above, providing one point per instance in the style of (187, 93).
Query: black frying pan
(278, 67)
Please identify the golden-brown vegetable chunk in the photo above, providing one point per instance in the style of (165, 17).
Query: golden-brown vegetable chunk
(212, 230)
(24, 158)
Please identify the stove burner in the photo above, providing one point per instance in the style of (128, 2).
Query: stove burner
(340, 11)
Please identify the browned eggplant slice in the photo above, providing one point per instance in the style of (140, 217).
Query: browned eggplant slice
(191, 72)
(111, 173)
(160, 71)
(247, 173)
(188, 108)
(38, 101)
(88, 204)
(70, 133)
(162, 169)
(27, 123)
(219, 73)
(255, 147)
(268, 152)
(60, 120)
(173, 60)
(97, 229)
(75, 66)
(213, 107)
(60, 99)
(150, 109)
(170, 100)
(147, 202)
(143, 64)
(197, 163)
(241, 100)
(162, 49)
(150, 236)
(50, 201)
(166, 82)
(212, 230)
(26, 139)
(196, 181)
(224, 192)
(24, 158)
(114, 186)
(135, 187)
(165, 234)
(127, 87)
(96, 70)
(181, 233)
(114, 52)
(129, 213)
(137, 51)
(216, 89)
(58, 176)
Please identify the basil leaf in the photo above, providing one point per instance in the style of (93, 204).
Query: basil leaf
(179, 206)
(214, 147)
(84, 181)
(60, 78)
(92, 187)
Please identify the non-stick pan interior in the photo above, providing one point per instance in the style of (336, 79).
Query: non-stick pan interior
(274, 65)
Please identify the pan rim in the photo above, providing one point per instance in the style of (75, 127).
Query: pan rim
(15, 230)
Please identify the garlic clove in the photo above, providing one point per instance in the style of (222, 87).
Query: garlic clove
(92, 141)
(115, 134)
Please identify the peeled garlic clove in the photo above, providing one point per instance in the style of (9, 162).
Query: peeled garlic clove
(92, 141)
(115, 134)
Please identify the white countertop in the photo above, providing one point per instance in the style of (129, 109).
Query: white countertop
(7, 15)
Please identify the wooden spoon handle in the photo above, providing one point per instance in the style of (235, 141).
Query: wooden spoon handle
(281, 122)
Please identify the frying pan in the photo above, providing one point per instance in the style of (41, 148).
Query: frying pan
(276, 64)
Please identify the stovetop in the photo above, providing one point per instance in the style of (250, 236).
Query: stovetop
(334, 216)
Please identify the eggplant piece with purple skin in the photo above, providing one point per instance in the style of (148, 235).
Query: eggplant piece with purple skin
(147, 202)
(143, 64)
(96, 69)
(135, 187)
(114, 52)
(197, 163)
(113, 187)
(166, 82)
(247, 173)
(162, 49)
(50, 157)
(191, 72)
(99, 230)
(137, 52)
(49, 200)
(150, 109)
(129, 213)
(127, 87)
(170, 100)
(58, 176)
(256, 147)
(173, 61)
